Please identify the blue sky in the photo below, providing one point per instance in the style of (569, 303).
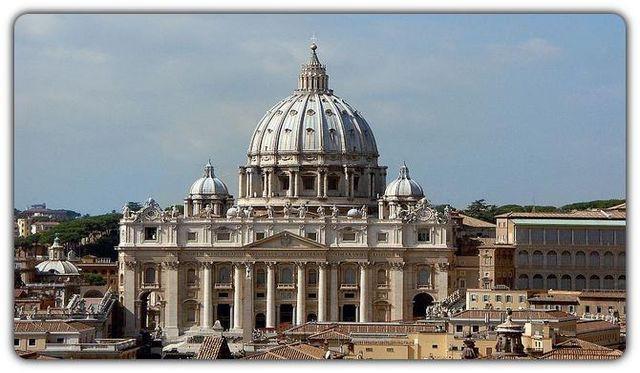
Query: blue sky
(510, 108)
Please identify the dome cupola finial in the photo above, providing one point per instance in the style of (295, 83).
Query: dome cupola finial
(313, 76)
(208, 169)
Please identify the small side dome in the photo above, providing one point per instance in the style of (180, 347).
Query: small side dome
(56, 263)
(208, 185)
(403, 187)
(353, 213)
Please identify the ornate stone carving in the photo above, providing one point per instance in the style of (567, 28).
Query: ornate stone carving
(397, 266)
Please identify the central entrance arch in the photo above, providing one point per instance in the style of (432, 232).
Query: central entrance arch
(223, 312)
(420, 303)
(286, 314)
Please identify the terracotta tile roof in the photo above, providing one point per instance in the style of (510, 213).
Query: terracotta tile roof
(294, 351)
(330, 334)
(474, 222)
(33, 355)
(588, 326)
(382, 341)
(621, 294)
(576, 214)
(364, 328)
(49, 327)
(577, 349)
(518, 315)
(212, 347)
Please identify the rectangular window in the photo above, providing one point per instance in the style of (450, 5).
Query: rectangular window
(223, 236)
(522, 236)
(594, 236)
(607, 237)
(312, 236)
(382, 237)
(587, 309)
(259, 295)
(475, 328)
(16, 342)
(565, 236)
(312, 296)
(485, 298)
(537, 236)
(620, 237)
(389, 349)
(307, 182)
(150, 233)
(369, 349)
(349, 295)
(192, 236)
(551, 236)
(332, 182)
(579, 237)
(423, 235)
(458, 328)
(522, 299)
(32, 342)
(223, 295)
(260, 236)
(474, 297)
(434, 346)
(498, 298)
(349, 236)
(59, 340)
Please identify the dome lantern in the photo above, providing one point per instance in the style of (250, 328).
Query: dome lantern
(313, 76)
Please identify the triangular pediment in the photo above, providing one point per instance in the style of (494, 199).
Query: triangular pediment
(286, 240)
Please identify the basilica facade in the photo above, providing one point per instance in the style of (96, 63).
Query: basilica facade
(315, 233)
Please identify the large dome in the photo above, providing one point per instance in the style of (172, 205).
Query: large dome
(314, 125)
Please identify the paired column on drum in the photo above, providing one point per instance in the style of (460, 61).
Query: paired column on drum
(207, 307)
(364, 292)
(322, 292)
(301, 295)
(271, 295)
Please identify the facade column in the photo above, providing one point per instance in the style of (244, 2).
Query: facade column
(271, 295)
(319, 184)
(290, 190)
(128, 293)
(334, 310)
(301, 295)
(172, 315)
(270, 183)
(352, 192)
(364, 292)
(397, 296)
(207, 314)
(265, 177)
(322, 292)
(248, 317)
(237, 296)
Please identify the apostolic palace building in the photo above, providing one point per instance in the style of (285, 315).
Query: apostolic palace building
(315, 233)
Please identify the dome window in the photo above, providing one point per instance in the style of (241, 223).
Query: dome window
(293, 112)
(329, 112)
(310, 112)
(279, 112)
(310, 130)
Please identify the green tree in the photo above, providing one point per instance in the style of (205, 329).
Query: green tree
(134, 206)
(94, 279)
(480, 209)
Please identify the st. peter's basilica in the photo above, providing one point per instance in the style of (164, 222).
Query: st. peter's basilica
(315, 233)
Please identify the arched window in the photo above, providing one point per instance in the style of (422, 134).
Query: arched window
(538, 282)
(622, 260)
(581, 259)
(608, 259)
(565, 259)
(286, 275)
(312, 277)
(608, 283)
(552, 282)
(622, 282)
(192, 277)
(349, 276)
(424, 276)
(523, 282)
(581, 282)
(224, 275)
(565, 282)
(260, 277)
(537, 259)
(523, 257)
(594, 259)
(552, 259)
(121, 279)
(382, 277)
(594, 282)
(150, 275)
